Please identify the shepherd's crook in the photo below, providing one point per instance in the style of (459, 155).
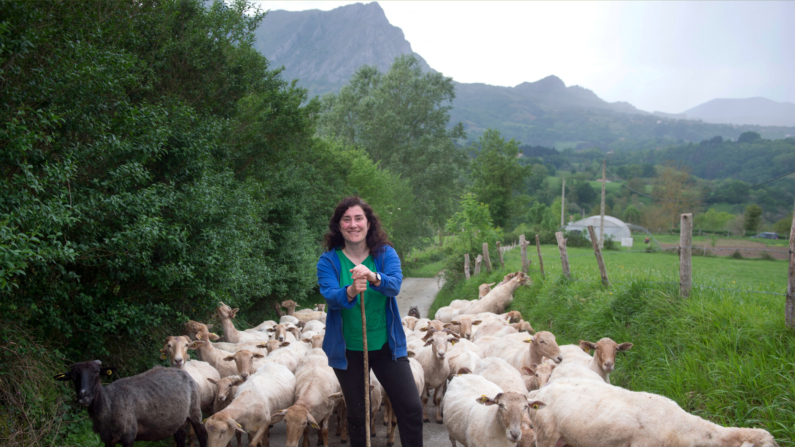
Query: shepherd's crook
(366, 374)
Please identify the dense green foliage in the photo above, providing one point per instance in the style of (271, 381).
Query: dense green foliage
(400, 118)
(497, 177)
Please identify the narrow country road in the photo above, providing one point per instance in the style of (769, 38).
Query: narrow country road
(418, 292)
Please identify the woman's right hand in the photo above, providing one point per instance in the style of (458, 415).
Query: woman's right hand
(359, 285)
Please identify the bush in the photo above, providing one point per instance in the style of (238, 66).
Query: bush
(737, 255)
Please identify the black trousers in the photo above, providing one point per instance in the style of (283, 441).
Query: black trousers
(397, 381)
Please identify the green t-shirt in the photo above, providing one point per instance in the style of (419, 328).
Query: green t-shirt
(374, 306)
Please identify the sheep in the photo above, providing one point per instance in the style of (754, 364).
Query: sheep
(234, 347)
(499, 372)
(389, 413)
(226, 389)
(304, 315)
(314, 325)
(192, 327)
(315, 341)
(287, 357)
(315, 381)
(321, 307)
(231, 334)
(447, 314)
(499, 298)
(149, 406)
(264, 326)
(484, 289)
(464, 325)
(463, 354)
(215, 357)
(574, 370)
(603, 361)
(289, 319)
(285, 332)
(476, 420)
(436, 369)
(246, 362)
(376, 396)
(409, 322)
(263, 394)
(421, 323)
(589, 413)
(536, 375)
(513, 316)
(175, 351)
(541, 345)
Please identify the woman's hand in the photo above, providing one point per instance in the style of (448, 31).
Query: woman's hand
(359, 285)
(361, 271)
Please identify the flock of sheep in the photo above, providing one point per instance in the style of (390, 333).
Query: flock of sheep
(496, 383)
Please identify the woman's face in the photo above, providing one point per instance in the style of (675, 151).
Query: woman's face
(354, 225)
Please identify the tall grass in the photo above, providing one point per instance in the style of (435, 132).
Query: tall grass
(723, 355)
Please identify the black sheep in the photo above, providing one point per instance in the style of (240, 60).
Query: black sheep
(147, 407)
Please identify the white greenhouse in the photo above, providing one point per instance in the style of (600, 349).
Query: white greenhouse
(614, 228)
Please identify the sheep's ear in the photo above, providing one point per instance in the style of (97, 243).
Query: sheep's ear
(410, 354)
(372, 387)
(214, 337)
(65, 377)
(483, 400)
(448, 324)
(492, 284)
(452, 340)
(455, 322)
(164, 356)
(477, 322)
(195, 344)
(238, 427)
(107, 371)
(625, 346)
(261, 346)
(536, 404)
(424, 329)
(278, 416)
(307, 341)
(311, 421)
(528, 340)
(230, 358)
(528, 370)
(428, 343)
(270, 329)
(285, 343)
(209, 326)
(211, 380)
(238, 381)
(464, 370)
(234, 312)
(257, 355)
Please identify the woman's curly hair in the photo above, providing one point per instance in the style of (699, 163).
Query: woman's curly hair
(376, 237)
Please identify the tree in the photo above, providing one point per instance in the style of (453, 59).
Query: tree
(631, 215)
(637, 185)
(783, 226)
(497, 175)
(675, 192)
(401, 119)
(753, 217)
(585, 192)
(749, 137)
(713, 220)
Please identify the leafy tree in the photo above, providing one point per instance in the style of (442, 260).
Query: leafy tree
(637, 184)
(783, 226)
(713, 219)
(753, 217)
(472, 226)
(497, 176)
(585, 193)
(674, 188)
(749, 137)
(401, 119)
(631, 214)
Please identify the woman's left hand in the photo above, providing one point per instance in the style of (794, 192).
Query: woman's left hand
(361, 271)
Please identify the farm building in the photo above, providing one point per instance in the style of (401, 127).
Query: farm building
(614, 228)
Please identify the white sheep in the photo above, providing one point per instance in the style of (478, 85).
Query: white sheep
(499, 298)
(499, 372)
(589, 413)
(519, 354)
(231, 334)
(215, 357)
(436, 369)
(389, 413)
(315, 382)
(603, 362)
(176, 351)
(477, 413)
(263, 394)
(463, 354)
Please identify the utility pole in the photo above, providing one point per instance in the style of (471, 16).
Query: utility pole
(602, 218)
(563, 203)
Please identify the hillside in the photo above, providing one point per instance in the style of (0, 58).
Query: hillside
(322, 49)
(759, 111)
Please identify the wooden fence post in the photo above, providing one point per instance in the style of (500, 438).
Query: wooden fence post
(564, 258)
(685, 249)
(478, 261)
(540, 261)
(789, 308)
(486, 257)
(466, 265)
(598, 252)
(499, 250)
(523, 249)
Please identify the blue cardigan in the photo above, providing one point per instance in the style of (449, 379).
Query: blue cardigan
(387, 264)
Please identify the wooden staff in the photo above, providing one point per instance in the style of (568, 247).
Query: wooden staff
(366, 374)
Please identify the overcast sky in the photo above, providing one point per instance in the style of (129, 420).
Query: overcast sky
(665, 56)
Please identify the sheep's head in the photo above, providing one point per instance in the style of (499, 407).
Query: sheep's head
(205, 336)
(225, 312)
(752, 437)
(545, 344)
(176, 350)
(192, 327)
(512, 406)
(244, 361)
(513, 317)
(279, 332)
(537, 375)
(605, 352)
(288, 304)
(86, 377)
(225, 387)
(464, 324)
(484, 289)
(297, 418)
(272, 345)
(220, 429)
(439, 340)
(322, 307)
(410, 322)
(523, 326)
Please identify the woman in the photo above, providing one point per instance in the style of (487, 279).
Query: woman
(360, 258)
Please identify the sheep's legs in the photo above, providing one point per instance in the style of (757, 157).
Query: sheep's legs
(437, 400)
(425, 393)
(452, 440)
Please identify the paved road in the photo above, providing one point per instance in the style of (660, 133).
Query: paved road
(418, 292)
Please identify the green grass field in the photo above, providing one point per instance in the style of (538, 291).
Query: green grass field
(723, 355)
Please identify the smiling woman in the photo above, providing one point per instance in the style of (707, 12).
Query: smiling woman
(360, 259)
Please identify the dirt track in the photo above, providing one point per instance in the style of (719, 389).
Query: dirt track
(725, 247)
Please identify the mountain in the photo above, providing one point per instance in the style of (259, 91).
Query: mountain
(322, 49)
(759, 111)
